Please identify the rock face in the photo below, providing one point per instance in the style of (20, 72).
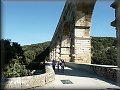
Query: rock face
(71, 40)
(116, 23)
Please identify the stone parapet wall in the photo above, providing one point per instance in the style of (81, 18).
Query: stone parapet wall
(118, 77)
(50, 74)
(105, 71)
(27, 82)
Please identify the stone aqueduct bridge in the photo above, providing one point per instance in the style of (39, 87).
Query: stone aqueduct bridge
(71, 40)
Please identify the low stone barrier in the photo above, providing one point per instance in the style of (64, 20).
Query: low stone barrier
(105, 71)
(27, 82)
(50, 74)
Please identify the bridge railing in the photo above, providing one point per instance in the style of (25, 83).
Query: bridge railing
(108, 72)
(27, 82)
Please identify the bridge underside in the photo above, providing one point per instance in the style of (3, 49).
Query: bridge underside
(71, 40)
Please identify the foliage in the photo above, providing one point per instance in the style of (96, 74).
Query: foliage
(36, 54)
(34, 51)
(103, 50)
(13, 59)
(15, 69)
(6, 49)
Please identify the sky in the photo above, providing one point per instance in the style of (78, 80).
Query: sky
(31, 22)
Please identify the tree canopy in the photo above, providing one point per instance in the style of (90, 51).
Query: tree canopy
(104, 50)
(16, 58)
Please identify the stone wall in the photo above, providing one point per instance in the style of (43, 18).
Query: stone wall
(27, 82)
(116, 23)
(50, 75)
(105, 71)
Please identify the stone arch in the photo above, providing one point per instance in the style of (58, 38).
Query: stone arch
(75, 23)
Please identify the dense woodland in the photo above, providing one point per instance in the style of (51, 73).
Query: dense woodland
(21, 60)
(13, 59)
(104, 50)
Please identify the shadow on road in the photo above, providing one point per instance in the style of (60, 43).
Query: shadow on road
(78, 73)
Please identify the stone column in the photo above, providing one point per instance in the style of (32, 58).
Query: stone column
(116, 23)
(51, 55)
(82, 38)
(54, 53)
(65, 43)
(82, 41)
(118, 37)
(58, 52)
(72, 33)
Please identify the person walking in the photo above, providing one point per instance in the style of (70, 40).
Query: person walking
(53, 64)
(62, 65)
(58, 64)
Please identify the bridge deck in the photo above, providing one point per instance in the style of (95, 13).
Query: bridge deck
(78, 80)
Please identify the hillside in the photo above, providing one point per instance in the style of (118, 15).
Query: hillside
(23, 59)
(36, 53)
(103, 50)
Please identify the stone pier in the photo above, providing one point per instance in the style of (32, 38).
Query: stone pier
(116, 23)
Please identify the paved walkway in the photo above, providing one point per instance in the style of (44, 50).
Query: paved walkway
(79, 79)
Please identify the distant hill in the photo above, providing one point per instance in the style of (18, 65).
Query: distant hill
(37, 46)
(32, 51)
(103, 50)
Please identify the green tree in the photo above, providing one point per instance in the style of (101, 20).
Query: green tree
(13, 59)
(29, 55)
(103, 50)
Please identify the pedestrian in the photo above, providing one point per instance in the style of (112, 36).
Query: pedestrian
(58, 64)
(62, 65)
(53, 64)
